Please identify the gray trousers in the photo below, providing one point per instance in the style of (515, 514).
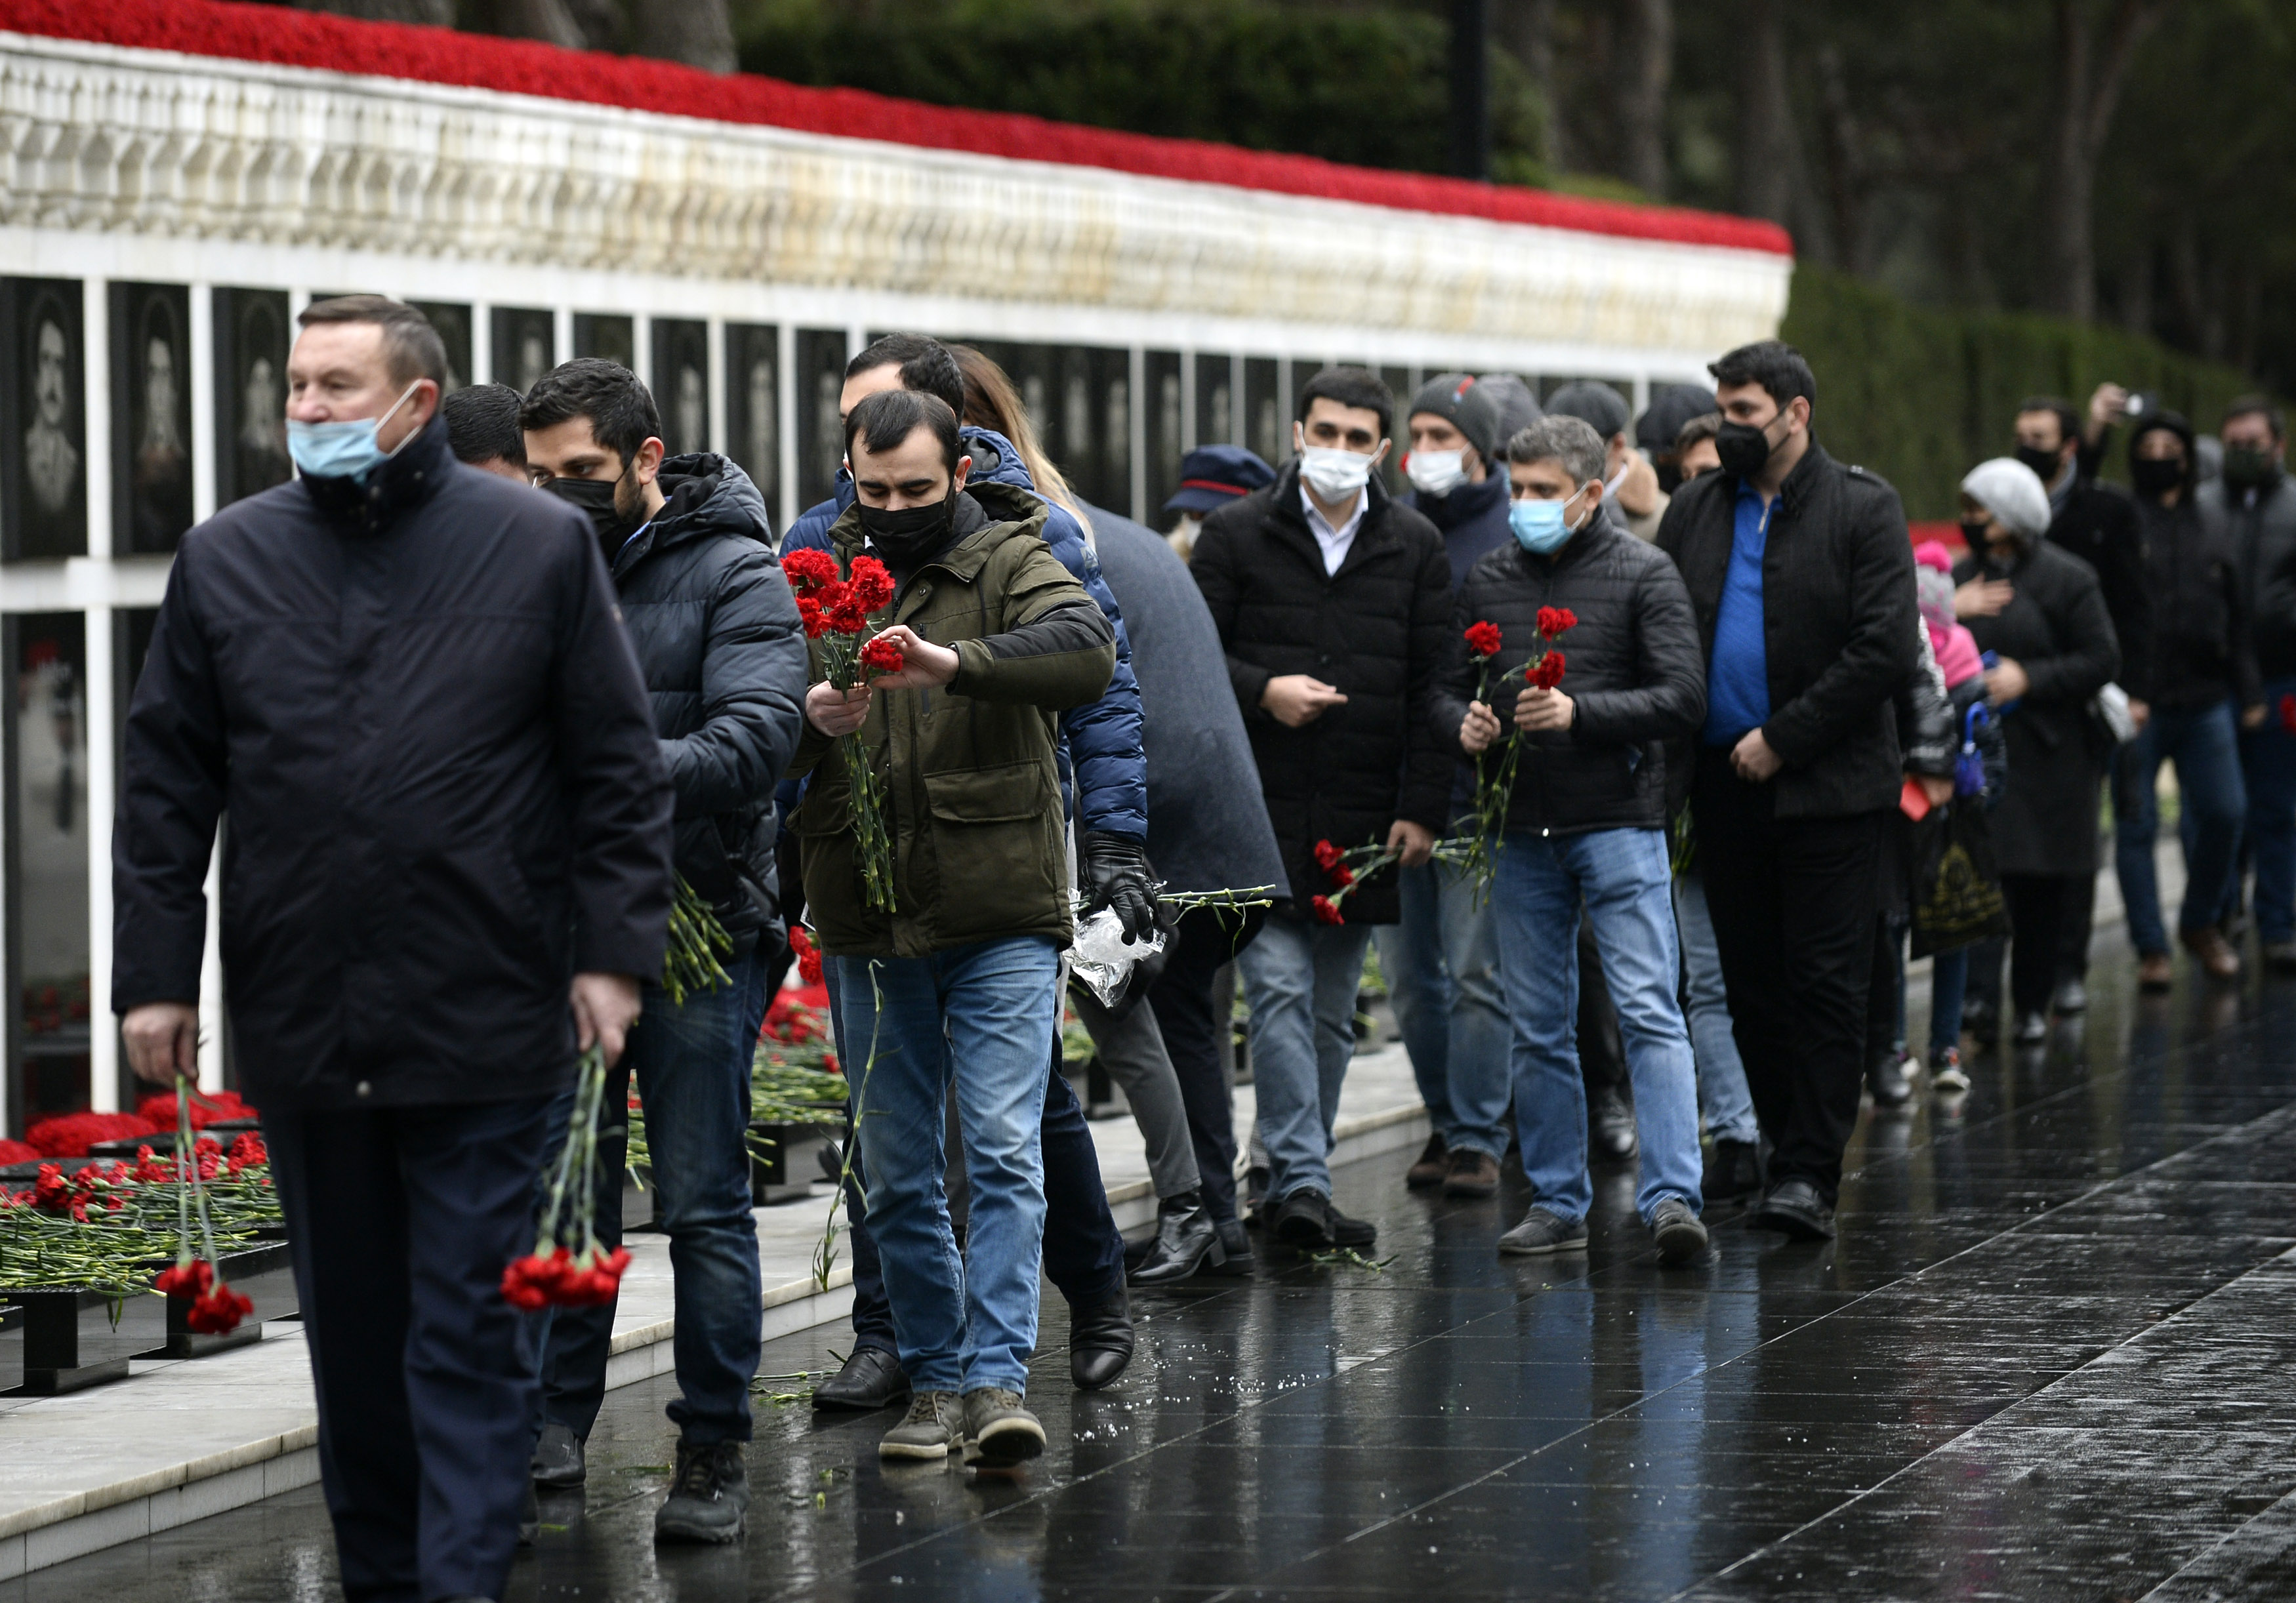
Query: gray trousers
(1132, 1051)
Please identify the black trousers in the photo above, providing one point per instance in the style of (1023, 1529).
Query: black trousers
(1796, 908)
(401, 1222)
(1182, 998)
(1084, 1251)
(2042, 908)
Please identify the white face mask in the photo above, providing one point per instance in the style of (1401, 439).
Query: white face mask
(1333, 475)
(1437, 472)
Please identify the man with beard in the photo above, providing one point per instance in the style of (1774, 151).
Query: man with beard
(717, 637)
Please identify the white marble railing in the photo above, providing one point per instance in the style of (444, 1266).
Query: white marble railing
(94, 137)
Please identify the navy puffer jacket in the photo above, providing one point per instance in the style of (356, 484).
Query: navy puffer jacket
(1099, 740)
(717, 635)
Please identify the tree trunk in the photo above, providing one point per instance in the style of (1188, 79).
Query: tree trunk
(697, 32)
(1527, 29)
(436, 13)
(1645, 72)
(2090, 71)
(1766, 138)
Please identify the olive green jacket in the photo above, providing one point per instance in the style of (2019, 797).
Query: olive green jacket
(970, 775)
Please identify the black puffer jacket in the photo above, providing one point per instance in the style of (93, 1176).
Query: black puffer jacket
(1839, 621)
(1631, 668)
(2200, 651)
(1375, 629)
(717, 637)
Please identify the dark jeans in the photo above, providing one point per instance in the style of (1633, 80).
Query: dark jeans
(1084, 1251)
(1796, 906)
(2203, 742)
(401, 1220)
(693, 1069)
(2040, 906)
(1181, 998)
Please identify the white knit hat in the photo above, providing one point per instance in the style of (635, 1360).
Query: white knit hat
(2013, 493)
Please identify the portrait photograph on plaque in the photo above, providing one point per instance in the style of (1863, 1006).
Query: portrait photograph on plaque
(251, 380)
(42, 420)
(151, 416)
(525, 346)
(753, 403)
(681, 383)
(610, 337)
(453, 322)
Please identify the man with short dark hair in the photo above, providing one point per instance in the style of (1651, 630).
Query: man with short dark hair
(1586, 827)
(450, 819)
(964, 969)
(1672, 408)
(482, 428)
(2253, 505)
(1802, 575)
(718, 639)
(1694, 452)
(1333, 604)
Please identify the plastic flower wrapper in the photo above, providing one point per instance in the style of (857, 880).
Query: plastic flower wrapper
(835, 607)
(1101, 957)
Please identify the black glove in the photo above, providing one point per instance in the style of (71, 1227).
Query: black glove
(1117, 876)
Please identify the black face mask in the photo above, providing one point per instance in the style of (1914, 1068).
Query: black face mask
(912, 535)
(2156, 475)
(2250, 467)
(1669, 477)
(1744, 449)
(2045, 463)
(599, 499)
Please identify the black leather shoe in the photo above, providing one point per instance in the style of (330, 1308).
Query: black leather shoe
(709, 1498)
(558, 1458)
(2071, 997)
(1794, 1207)
(1302, 1221)
(1611, 1122)
(1886, 1077)
(872, 1378)
(1733, 1171)
(1237, 1243)
(2032, 1028)
(1186, 1241)
(1358, 1233)
(1100, 1342)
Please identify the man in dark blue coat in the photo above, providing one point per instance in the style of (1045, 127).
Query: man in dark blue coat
(405, 681)
(717, 637)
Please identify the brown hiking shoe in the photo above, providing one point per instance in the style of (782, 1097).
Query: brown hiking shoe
(1471, 1174)
(2215, 955)
(1433, 1168)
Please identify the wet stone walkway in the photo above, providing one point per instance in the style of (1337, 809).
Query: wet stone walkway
(2051, 1356)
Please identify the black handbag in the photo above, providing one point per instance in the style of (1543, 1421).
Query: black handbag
(1958, 897)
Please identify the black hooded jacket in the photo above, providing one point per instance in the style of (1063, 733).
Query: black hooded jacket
(414, 702)
(718, 638)
(2200, 650)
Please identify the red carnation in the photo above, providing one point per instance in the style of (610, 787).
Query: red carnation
(1553, 620)
(1547, 672)
(1342, 875)
(808, 954)
(190, 1278)
(883, 655)
(1327, 910)
(220, 1312)
(808, 570)
(1328, 856)
(847, 616)
(1483, 639)
(808, 613)
(872, 583)
(2288, 713)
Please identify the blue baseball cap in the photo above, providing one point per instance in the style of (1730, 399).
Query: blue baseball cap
(1212, 476)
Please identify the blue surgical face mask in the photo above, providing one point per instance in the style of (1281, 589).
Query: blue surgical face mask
(1539, 526)
(343, 450)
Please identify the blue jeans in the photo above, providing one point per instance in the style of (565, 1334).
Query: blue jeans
(1948, 985)
(1723, 1099)
(2267, 762)
(1623, 879)
(2203, 744)
(692, 1063)
(1301, 981)
(1441, 964)
(984, 1014)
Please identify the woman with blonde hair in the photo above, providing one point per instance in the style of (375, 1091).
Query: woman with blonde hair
(990, 402)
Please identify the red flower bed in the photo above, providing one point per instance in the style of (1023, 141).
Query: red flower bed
(300, 39)
(19, 1152)
(207, 1107)
(69, 1134)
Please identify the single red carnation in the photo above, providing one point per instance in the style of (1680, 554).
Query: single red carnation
(1328, 856)
(847, 616)
(189, 1277)
(808, 570)
(1553, 620)
(883, 655)
(808, 954)
(1547, 672)
(872, 583)
(1342, 875)
(220, 1312)
(1483, 639)
(1327, 910)
(809, 614)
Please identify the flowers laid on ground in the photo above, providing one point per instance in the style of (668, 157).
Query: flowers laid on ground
(567, 1268)
(1495, 766)
(835, 607)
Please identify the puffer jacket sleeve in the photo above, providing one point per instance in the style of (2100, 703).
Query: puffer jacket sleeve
(1925, 728)
(753, 682)
(1056, 650)
(1669, 699)
(1103, 735)
(1879, 650)
(1430, 757)
(170, 794)
(617, 784)
(810, 532)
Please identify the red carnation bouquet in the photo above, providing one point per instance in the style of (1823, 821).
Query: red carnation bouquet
(1495, 784)
(835, 606)
(216, 1308)
(1346, 869)
(555, 1274)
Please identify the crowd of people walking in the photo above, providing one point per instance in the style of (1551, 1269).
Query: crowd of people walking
(1640, 750)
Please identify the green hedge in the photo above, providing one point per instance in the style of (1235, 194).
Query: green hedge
(1921, 396)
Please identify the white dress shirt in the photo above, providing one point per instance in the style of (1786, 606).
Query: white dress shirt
(1335, 542)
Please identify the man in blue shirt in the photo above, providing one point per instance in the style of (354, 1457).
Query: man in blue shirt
(1802, 577)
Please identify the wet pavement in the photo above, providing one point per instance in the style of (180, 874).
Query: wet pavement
(2050, 1357)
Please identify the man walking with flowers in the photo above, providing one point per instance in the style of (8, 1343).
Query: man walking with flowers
(936, 878)
(1573, 804)
(405, 681)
